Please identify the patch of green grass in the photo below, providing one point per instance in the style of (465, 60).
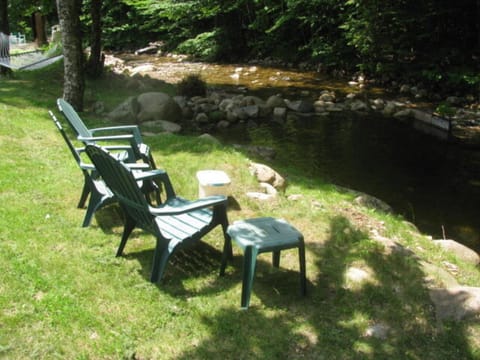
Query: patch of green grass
(64, 294)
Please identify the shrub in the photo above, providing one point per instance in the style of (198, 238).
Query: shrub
(192, 85)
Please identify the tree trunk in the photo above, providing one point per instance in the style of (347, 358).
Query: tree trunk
(4, 25)
(41, 37)
(74, 81)
(96, 59)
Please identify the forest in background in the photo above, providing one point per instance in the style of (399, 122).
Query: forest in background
(435, 44)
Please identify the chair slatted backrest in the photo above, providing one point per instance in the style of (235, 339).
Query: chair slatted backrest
(72, 117)
(122, 183)
(72, 148)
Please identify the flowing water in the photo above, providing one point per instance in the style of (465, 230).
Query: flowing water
(434, 184)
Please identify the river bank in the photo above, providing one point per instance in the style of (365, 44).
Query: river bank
(452, 118)
(430, 180)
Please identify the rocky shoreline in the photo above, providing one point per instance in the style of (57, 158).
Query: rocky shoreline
(459, 122)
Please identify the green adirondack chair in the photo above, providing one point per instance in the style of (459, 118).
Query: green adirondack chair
(95, 187)
(129, 134)
(176, 223)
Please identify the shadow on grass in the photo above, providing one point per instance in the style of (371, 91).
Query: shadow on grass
(389, 315)
(198, 261)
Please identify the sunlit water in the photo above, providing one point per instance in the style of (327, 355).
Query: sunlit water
(433, 184)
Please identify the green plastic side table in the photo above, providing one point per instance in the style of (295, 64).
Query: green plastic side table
(259, 235)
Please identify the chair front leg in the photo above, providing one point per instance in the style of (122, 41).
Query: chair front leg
(85, 193)
(227, 253)
(160, 259)
(127, 230)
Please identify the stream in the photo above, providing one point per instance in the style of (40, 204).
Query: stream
(431, 183)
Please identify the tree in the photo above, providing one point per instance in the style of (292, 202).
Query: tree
(4, 26)
(96, 59)
(39, 28)
(74, 80)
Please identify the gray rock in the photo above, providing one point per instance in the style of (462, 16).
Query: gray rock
(225, 104)
(438, 275)
(372, 202)
(252, 111)
(265, 174)
(126, 112)
(269, 189)
(302, 106)
(223, 124)
(456, 303)
(335, 107)
(327, 96)
(252, 100)
(404, 89)
(209, 137)
(389, 108)
(461, 251)
(201, 118)
(279, 113)
(402, 113)
(275, 101)
(158, 106)
(422, 116)
(378, 103)
(164, 126)
(358, 105)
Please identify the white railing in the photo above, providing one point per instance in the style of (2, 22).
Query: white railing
(4, 49)
(23, 60)
(17, 39)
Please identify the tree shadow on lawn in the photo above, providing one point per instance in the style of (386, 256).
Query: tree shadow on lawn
(387, 315)
(201, 260)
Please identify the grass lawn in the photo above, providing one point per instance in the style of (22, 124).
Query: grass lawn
(64, 294)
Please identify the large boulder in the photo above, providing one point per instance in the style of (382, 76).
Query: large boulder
(461, 251)
(158, 106)
(265, 174)
(150, 106)
(126, 112)
(456, 303)
(275, 101)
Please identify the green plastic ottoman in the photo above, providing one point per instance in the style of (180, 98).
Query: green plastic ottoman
(260, 235)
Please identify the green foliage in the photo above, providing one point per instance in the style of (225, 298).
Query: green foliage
(426, 41)
(192, 85)
(53, 49)
(445, 109)
(204, 46)
(462, 80)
